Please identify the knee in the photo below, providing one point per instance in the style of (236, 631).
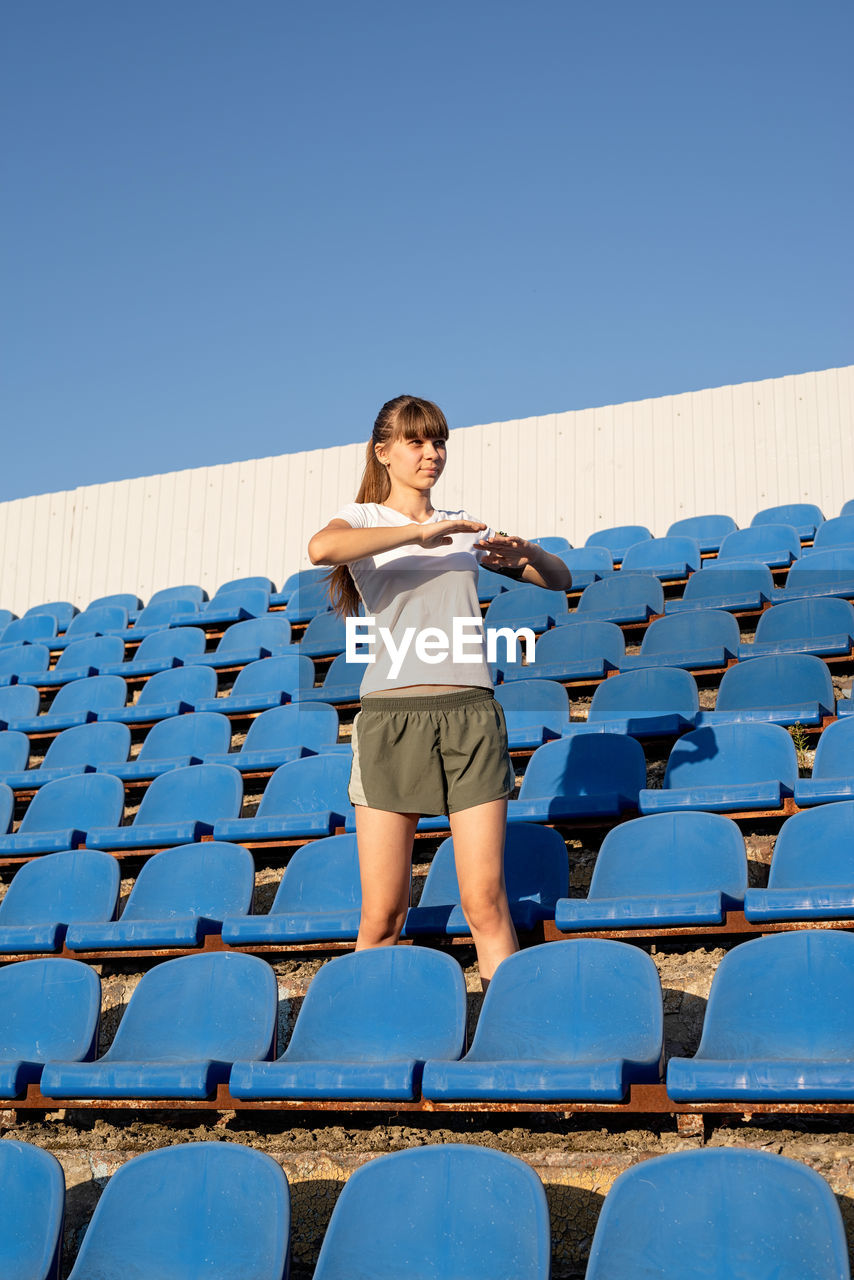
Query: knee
(486, 909)
(377, 927)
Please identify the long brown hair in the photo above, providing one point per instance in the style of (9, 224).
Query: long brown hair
(404, 418)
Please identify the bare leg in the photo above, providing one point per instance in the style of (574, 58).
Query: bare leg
(385, 870)
(479, 850)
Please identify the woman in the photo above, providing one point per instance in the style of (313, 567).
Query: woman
(430, 737)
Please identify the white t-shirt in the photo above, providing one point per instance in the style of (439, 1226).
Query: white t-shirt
(414, 589)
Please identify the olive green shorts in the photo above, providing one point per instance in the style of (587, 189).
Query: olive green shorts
(430, 754)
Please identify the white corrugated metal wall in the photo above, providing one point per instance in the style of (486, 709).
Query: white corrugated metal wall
(731, 449)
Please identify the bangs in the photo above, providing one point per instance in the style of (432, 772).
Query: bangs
(420, 419)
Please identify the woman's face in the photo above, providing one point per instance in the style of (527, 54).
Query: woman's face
(416, 463)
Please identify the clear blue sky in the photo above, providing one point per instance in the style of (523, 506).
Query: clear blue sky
(234, 229)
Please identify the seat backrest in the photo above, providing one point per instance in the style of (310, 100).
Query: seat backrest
(589, 558)
(321, 876)
(32, 1209)
(385, 1002)
(708, 530)
(255, 600)
(582, 640)
(310, 596)
(759, 541)
(63, 610)
(98, 621)
(553, 543)
(14, 751)
(544, 700)
(49, 1009)
(829, 570)
(815, 847)
(652, 552)
(171, 642)
(92, 744)
(220, 1006)
(696, 629)
(327, 630)
(187, 593)
(732, 753)
(788, 995)
(290, 672)
(243, 584)
(199, 792)
(126, 599)
(536, 868)
(776, 681)
(586, 764)
(24, 660)
(725, 1211)
(647, 691)
(525, 600)
(834, 755)
(192, 683)
(7, 807)
(308, 785)
(82, 801)
(18, 702)
(802, 515)
(838, 532)
(671, 853)
(158, 612)
(806, 619)
(271, 632)
(313, 725)
(449, 1210)
(640, 590)
(342, 674)
(92, 693)
(91, 651)
(619, 538)
(31, 629)
(197, 733)
(586, 999)
(210, 878)
(729, 577)
(196, 1209)
(78, 884)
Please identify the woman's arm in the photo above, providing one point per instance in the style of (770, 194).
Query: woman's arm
(339, 543)
(526, 561)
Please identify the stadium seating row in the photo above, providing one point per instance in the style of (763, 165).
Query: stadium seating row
(578, 1020)
(213, 1208)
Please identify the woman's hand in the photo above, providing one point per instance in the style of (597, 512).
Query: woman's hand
(506, 551)
(439, 534)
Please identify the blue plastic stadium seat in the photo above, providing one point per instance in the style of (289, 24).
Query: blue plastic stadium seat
(726, 769)
(26, 663)
(774, 545)
(726, 584)
(48, 894)
(107, 619)
(239, 584)
(779, 1023)
(263, 684)
(48, 1009)
(319, 898)
(307, 797)
(812, 871)
(805, 517)
(845, 706)
(838, 532)
(179, 807)
(621, 600)
(307, 600)
(157, 615)
(368, 1023)
(709, 531)
(535, 711)
(76, 703)
(63, 610)
(79, 750)
(666, 869)
(693, 639)
(665, 558)
(179, 896)
(187, 591)
(14, 751)
(39, 628)
(17, 702)
(448, 1210)
(821, 573)
(656, 702)
(583, 651)
(587, 564)
(187, 1021)
(847, 508)
(580, 1020)
(162, 650)
(719, 1212)
(833, 767)
(554, 544)
(176, 742)
(32, 1210)
(212, 1209)
(283, 734)
(527, 606)
(536, 873)
(341, 683)
(62, 812)
(126, 599)
(490, 585)
(248, 641)
(592, 775)
(89, 656)
(619, 539)
(235, 605)
(324, 635)
(6, 616)
(7, 806)
(823, 627)
(301, 578)
(794, 688)
(168, 693)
